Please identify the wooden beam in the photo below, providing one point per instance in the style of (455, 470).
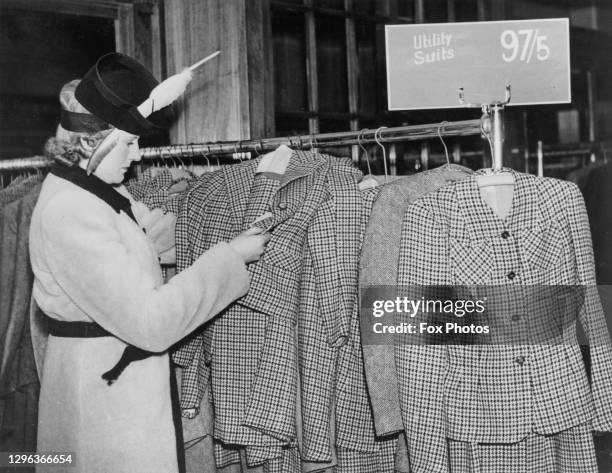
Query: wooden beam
(450, 9)
(229, 98)
(482, 10)
(95, 8)
(352, 62)
(352, 68)
(419, 11)
(260, 68)
(591, 105)
(312, 77)
(125, 39)
(143, 37)
(157, 50)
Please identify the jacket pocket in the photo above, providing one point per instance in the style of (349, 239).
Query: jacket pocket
(273, 291)
(470, 261)
(546, 248)
(462, 404)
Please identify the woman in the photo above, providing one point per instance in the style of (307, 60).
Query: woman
(97, 278)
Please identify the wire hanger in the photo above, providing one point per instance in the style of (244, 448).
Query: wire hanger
(207, 161)
(367, 155)
(442, 125)
(182, 164)
(368, 181)
(259, 152)
(314, 146)
(377, 138)
(312, 142)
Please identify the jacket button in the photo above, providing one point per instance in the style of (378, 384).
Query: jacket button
(516, 317)
(520, 360)
(505, 235)
(282, 205)
(511, 275)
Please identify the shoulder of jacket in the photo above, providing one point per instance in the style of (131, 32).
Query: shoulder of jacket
(70, 202)
(207, 185)
(439, 203)
(422, 212)
(342, 175)
(556, 197)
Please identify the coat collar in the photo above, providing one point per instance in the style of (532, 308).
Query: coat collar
(239, 178)
(96, 186)
(301, 163)
(482, 223)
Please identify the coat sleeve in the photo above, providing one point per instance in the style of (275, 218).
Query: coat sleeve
(99, 273)
(592, 316)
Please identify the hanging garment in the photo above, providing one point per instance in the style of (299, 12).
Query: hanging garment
(92, 262)
(149, 182)
(382, 213)
(19, 386)
(18, 421)
(253, 370)
(378, 267)
(570, 451)
(598, 200)
(16, 281)
(9, 223)
(501, 394)
(18, 188)
(157, 187)
(358, 448)
(580, 176)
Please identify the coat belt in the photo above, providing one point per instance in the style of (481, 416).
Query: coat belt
(60, 328)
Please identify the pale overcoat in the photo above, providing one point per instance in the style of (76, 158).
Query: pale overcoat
(94, 263)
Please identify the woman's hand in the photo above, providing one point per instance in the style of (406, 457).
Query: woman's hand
(250, 244)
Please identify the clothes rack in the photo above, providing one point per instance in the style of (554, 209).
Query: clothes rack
(321, 140)
(18, 164)
(259, 146)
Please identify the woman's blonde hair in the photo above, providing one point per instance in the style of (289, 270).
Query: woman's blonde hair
(66, 147)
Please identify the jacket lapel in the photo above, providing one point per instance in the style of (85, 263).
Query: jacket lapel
(299, 173)
(238, 182)
(476, 221)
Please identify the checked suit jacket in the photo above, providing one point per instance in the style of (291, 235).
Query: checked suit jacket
(252, 353)
(501, 393)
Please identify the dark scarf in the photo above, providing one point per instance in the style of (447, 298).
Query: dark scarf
(96, 186)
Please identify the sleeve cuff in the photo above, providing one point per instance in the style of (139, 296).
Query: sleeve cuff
(226, 259)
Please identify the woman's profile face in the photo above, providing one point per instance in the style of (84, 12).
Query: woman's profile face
(113, 167)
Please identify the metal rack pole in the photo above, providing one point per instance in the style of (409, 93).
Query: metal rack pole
(323, 140)
(258, 146)
(497, 134)
(540, 159)
(18, 164)
(493, 127)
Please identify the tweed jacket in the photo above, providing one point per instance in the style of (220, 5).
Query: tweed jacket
(378, 267)
(252, 355)
(501, 393)
(15, 291)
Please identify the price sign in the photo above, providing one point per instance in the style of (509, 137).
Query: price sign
(428, 63)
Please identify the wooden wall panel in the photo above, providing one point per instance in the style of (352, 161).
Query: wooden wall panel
(220, 104)
(125, 39)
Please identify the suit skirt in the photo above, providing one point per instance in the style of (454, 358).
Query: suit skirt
(570, 451)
